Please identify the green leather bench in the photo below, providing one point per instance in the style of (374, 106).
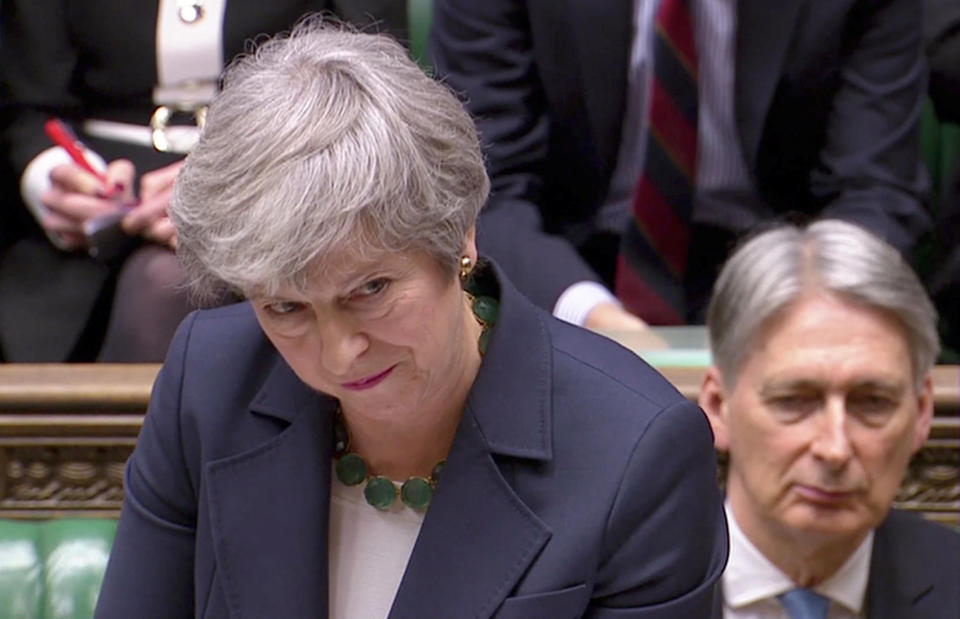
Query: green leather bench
(941, 151)
(941, 154)
(53, 569)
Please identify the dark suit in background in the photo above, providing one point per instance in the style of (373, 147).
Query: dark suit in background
(827, 101)
(914, 570)
(942, 31)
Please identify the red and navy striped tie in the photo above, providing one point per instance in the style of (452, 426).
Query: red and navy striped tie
(653, 251)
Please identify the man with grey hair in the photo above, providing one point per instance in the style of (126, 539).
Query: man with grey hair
(823, 340)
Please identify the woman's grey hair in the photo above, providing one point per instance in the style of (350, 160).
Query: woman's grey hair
(768, 273)
(324, 140)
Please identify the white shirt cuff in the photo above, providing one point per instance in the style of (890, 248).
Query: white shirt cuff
(579, 299)
(36, 180)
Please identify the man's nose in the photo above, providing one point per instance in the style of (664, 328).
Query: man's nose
(832, 441)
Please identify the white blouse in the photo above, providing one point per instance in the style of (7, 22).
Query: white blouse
(369, 551)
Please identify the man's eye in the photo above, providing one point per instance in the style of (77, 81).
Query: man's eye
(794, 401)
(283, 308)
(795, 404)
(371, 288)
(874, 406)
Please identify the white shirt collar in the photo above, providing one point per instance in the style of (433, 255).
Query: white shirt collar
(751, 577)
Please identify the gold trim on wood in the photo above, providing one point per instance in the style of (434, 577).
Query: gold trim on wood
(43, 477)
(66, 430)
(76, 388)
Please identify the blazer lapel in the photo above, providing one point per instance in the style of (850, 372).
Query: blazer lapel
(269, 507)
(763, 36)
(479, 538)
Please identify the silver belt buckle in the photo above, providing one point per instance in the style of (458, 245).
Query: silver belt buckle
(161, 130)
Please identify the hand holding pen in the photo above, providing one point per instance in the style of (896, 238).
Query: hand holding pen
(61, 135)
(80, 192)
(150, 219)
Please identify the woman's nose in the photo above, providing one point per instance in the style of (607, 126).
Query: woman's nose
(341, 343)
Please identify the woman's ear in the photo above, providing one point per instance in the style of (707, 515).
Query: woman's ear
(713, 400)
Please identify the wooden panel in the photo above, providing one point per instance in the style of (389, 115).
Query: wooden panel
(65, 433)
(75, 388)
(66, 430)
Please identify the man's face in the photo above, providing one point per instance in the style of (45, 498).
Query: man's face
(821, 422)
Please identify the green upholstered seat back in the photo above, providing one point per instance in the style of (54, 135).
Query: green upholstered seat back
(419, 18)
(941, 151)
(53, 569)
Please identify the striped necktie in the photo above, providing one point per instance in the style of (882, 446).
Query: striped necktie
(804, 604)
(653, 251)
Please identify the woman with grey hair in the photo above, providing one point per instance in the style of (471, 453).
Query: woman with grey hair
(386, 426)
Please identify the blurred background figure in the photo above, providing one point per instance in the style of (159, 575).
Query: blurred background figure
(823, 340)
(942, 32)
(630, 142)
(132, 79)
(942, 41)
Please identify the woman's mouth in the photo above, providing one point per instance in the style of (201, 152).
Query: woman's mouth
(368, 382)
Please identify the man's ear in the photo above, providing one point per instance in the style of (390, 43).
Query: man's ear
(924, 413)
(713, 400)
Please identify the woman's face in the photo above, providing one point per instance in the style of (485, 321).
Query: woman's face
(387, 334)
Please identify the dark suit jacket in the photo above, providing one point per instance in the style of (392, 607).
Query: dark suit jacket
(828, 98)
(914, 570)
(580, 483)
(942, 20)
(94, 59)
(942, 35)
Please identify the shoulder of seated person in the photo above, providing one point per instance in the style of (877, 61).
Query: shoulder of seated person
(607, 360)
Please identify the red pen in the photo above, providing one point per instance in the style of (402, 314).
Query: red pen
(62, 136)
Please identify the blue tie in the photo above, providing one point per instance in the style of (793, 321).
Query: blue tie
(804, 604)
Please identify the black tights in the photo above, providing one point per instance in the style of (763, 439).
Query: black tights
(148, 304)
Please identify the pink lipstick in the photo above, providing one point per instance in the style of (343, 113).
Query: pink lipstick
(368, 382)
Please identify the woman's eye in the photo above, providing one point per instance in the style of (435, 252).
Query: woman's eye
(371, 288)
(283, 308)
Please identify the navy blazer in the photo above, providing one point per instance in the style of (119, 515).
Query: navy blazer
(827, 102)
(579, 483)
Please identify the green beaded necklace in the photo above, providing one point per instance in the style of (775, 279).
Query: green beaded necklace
(417, 492)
